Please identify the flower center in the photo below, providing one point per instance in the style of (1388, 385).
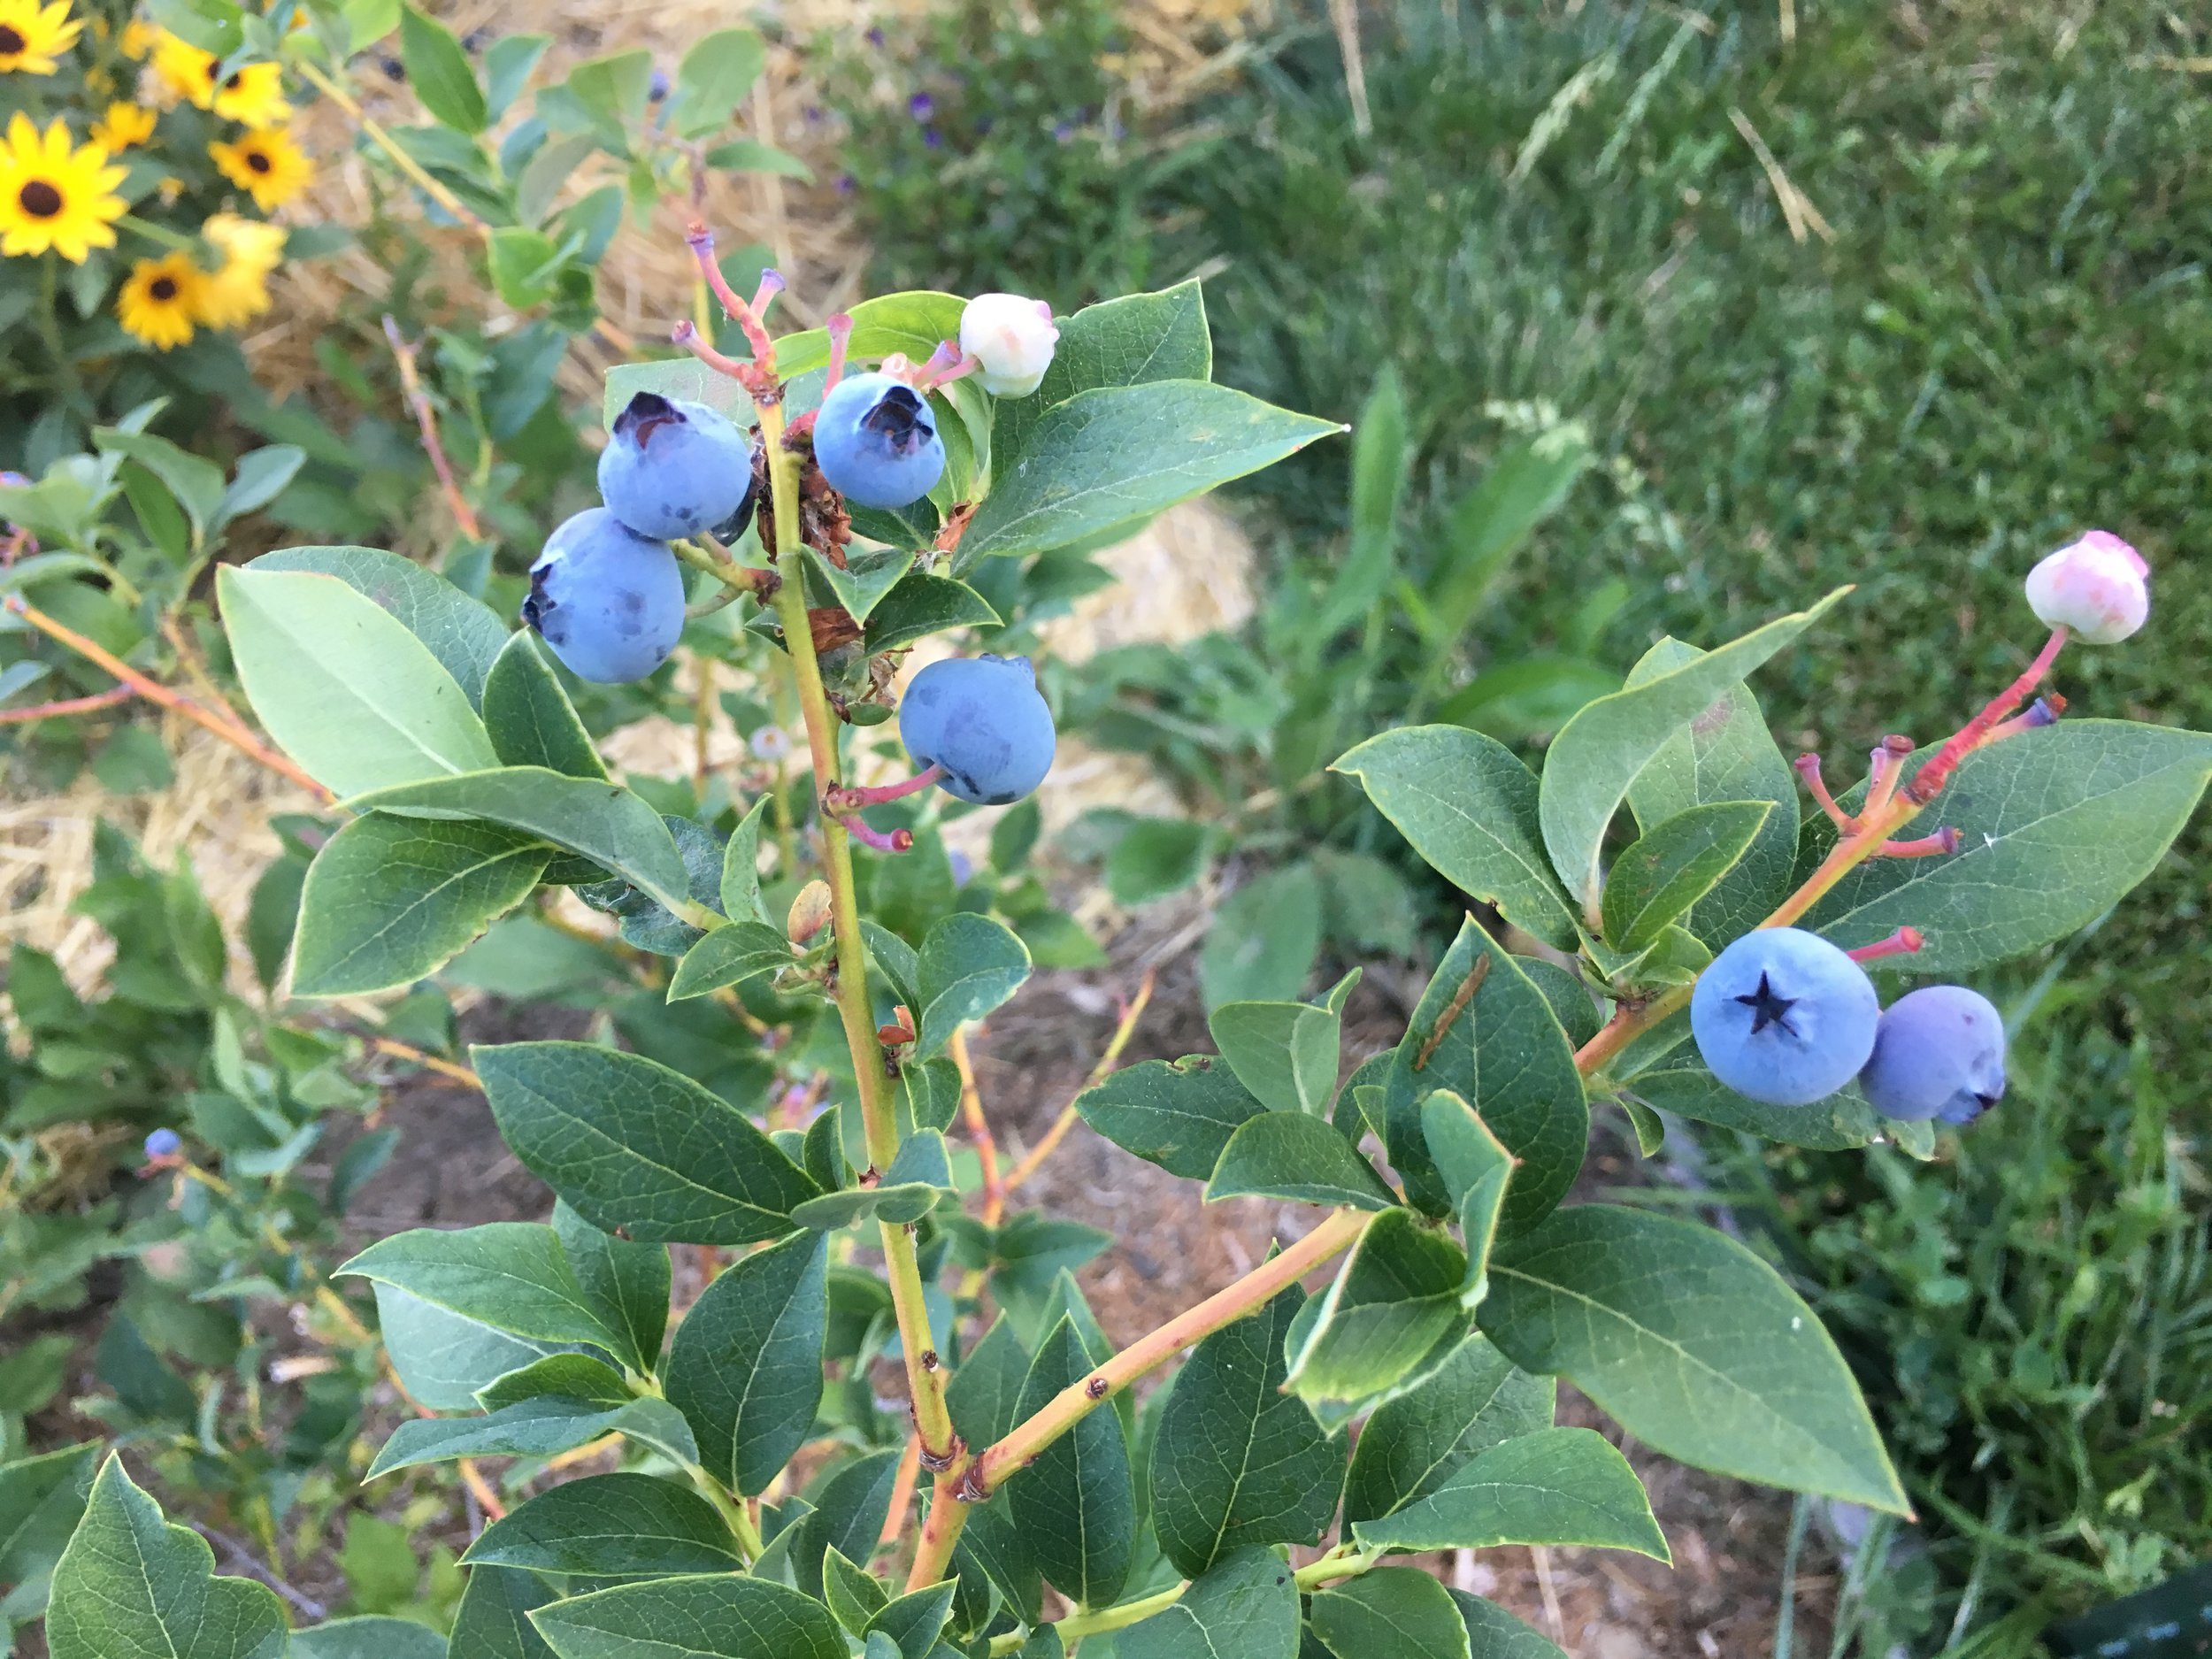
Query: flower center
(39, 199)
(162, 287)
(12, 41)
(258, 162)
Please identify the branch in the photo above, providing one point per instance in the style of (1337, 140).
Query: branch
(426, 422)
(1131, 1011)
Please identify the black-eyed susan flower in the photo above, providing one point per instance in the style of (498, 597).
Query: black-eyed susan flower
(123, 126)
(182, 70)
(32, 36)
(266, 165)
(54, 195)
(237, 290)
(159, 299)
(138, 39)
(253, 95)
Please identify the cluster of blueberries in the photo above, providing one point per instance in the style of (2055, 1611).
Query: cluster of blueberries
(607, 593)
(1786, 1018)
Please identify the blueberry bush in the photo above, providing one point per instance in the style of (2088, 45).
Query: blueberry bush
(890, 1425)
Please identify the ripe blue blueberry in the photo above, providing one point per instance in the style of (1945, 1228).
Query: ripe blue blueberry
(1938, 1052)
(1784, 1017)
(672, 468)
(164, 1143)
(608, 601)
(876, 441)
(981, 719)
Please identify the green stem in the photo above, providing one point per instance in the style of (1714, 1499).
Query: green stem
(1343, 1562)
(177, 241)
(71, 383)
(731, 1510)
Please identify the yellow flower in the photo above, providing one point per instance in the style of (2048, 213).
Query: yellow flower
(183, 69)
(138, 39)
(159, 299)
(54, 196)
(253, 95)
(124, 126)
(31, 34)
(238, 290)
(265, 163)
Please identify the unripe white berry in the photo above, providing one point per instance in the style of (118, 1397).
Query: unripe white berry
(1013, 337)
(2097, 588)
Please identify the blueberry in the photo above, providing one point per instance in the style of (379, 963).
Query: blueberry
(981, 719)
(164, 1143)
(674, 468)
(876, 441)
(1937, 1053)
(608, 601)
(1784, 1017)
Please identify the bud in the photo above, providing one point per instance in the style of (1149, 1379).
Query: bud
(2097, 588)
(1013, 337)
(809, 912)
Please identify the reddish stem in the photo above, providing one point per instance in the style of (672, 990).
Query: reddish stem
(897, 841)
(840, 330)
(946, 364)
(852, 796)
(1944, 840)
(2044, 710)
(736, 309)
(1809, 769)
(771, 284)
(1882, 773)
(106, 699)
(1903, 942)
(1928, 781)
(687, 335)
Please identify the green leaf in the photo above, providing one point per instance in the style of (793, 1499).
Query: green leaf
(718, 1615)
(508, 64)
(463, 633)
(1474, 1401)
(196, 482)
(1598, 754)
(540, 1427)
(1285, 1053)
(1726, 754)
(1156, 857)
(342, 686)
(42, 1498)
(1308, 1160)
(1132, 340)
(970, 964)
(260, 478)
(1382, 462)
(1075, 1502)
(625, 1284)
(131, 1583)
(600, 821)
(610, 1526)
(1265, 939)
(567, 1376)
(442, 1357)
(494, 1619)
(439, 71)
(1179, 1114)
(867, 580)
(731, 955)
(634, 1145)
(1476, 1169)
(713, 79)
(848, 1515)
(1502, 1052)
(1672, 865)
(751, 155)
(1245, 1605)
(922, 604)
(1528, 697)
(918, 1180)
(1395, 1296)
(1681, 1084)
(916, 322)
(746, 1368)
(1393, 1610)
(1554, 1487)
(372, 1638)
(390, 900)
(913, 1621)
(685, 378)
(1469, 806)
(614, 91)
(510, 1275)
(1109, 459)
(524, 264)
(853, 1594)
(1524, 487)
(986, 1391)
(2055, 826)
(1693, 1345)
(740, 889)
(530, 718)
(1496, 1633)
(1236, 1461)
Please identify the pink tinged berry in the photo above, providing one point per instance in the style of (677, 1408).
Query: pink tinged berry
(1013, 338)
(1937, 1053)
(2097, 588)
